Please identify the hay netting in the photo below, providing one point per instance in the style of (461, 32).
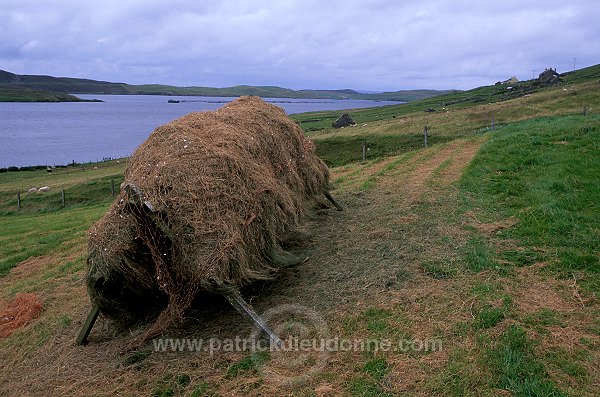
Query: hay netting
(226, 186)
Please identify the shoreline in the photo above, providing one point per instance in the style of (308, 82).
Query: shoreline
(29, 168)
(27, 95)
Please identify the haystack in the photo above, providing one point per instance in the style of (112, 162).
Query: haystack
(221, 190)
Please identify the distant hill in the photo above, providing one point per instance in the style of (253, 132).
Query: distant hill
(313, 122)
(29, 95)
(86, 86)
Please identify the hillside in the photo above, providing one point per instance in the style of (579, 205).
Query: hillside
(437, 106)
(469, 267)
(29, 95)
(86, 86)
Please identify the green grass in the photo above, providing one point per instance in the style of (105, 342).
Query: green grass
(376, 367)
(568, 361)
(248, 365)
(439, 269)
(29, 235)
(376, 320)
(366, 387)
(84, 185)
(545, 173)
(90, 192)
(170, 386)
(517, 369)
(506, 362)
(478, 256)
(541, 319)
(489, 317)
(135, 357)
(340, 150)
(369, 383)
(462, 376)
(203, 390)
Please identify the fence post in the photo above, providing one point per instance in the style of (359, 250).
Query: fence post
(364, 149)
(112, 188)
(425, 131)
(493, 122)
(584, 110)
(19, 201)
(62, 197)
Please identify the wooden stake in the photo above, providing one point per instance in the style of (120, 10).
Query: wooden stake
(329, 197)
(364, 149)
(87, 326)
(425, 134)
(19, 201)
(135, 193)
(236, 300)
(112, 188)
(62, 197)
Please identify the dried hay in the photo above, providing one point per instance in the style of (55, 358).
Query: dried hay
(227, 188)
(18, 313)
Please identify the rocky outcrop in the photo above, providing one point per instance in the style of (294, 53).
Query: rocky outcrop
(345, 120)
(549, 76)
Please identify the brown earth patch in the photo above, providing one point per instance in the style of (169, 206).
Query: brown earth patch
(408, 373)
(340, 172)
(409, 186)
(540, 296)
(568, 337)
(19, 312)
(326, 390)
(27, 268)
(462, 157)
(357, 177)
(494, 227)
(410, 218)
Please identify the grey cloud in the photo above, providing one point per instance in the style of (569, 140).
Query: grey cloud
(380, 44)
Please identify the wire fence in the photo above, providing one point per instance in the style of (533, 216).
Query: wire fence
(53, 198)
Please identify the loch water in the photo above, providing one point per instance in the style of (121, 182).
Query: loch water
(60, 133)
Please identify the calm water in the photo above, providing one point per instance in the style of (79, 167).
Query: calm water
(59, 133)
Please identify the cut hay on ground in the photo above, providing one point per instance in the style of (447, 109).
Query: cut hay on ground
(19, 312)
(226, 187)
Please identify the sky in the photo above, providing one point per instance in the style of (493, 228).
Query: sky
(375, 45)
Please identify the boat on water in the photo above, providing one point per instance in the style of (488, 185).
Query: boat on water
(173, 101)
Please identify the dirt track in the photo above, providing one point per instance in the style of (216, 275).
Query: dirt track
(366, 250)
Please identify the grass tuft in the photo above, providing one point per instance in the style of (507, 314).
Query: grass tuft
(516, 367)
(249, 364)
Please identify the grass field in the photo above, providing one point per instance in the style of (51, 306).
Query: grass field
(476, 258)
(544, 174)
